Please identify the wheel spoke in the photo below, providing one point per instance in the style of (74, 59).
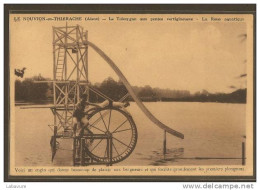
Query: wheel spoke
(120, 126)
(97, 128)
(122, 130)
(119, 123)
(115, 148)
(105, 152)
(121, 142)
(96, 145)
(109, 118)
(98, 119)
(90, 132)
(103, 120)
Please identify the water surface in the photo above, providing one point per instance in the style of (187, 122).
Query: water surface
(212, 130)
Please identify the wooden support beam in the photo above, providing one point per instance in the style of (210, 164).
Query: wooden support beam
(164, 143)
(243, 154)
(110, 150)
(82, 153)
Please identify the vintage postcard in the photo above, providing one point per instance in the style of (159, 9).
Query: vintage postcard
(130, 95)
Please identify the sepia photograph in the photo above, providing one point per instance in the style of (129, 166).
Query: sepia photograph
(137, 95)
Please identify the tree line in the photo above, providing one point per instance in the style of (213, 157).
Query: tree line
(29, 90)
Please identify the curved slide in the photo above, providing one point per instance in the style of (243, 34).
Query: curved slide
(132, 93)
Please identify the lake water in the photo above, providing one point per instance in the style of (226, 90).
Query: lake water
(213, 131)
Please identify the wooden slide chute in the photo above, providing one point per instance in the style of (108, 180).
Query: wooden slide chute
(132, 93)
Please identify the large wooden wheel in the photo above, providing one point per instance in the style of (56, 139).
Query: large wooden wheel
(113, 122)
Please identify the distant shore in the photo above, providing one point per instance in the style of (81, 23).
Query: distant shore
(48, 102)
(29, 92)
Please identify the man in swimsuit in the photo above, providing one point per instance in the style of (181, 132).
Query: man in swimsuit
(79, 118)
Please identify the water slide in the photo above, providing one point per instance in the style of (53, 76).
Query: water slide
(132, 93)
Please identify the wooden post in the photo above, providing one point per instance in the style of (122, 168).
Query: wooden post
(53, 143)
(54, 77)
(108, 154)
(74, 152)
(110, 150)
(164, 143)
(243, 154)
(82, 151)
(86, 63)
(78, 74)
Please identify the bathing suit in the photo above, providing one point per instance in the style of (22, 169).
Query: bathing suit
(79, 111)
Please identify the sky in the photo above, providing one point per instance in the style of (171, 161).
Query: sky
(176, 55)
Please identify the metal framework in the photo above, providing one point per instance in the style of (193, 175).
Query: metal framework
(84, 158)
(70, 72)
(70, 80)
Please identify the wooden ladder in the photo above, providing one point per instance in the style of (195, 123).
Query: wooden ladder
(60, 64)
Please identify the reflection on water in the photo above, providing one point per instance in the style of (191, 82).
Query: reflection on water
(157, 158)
(211, 130)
